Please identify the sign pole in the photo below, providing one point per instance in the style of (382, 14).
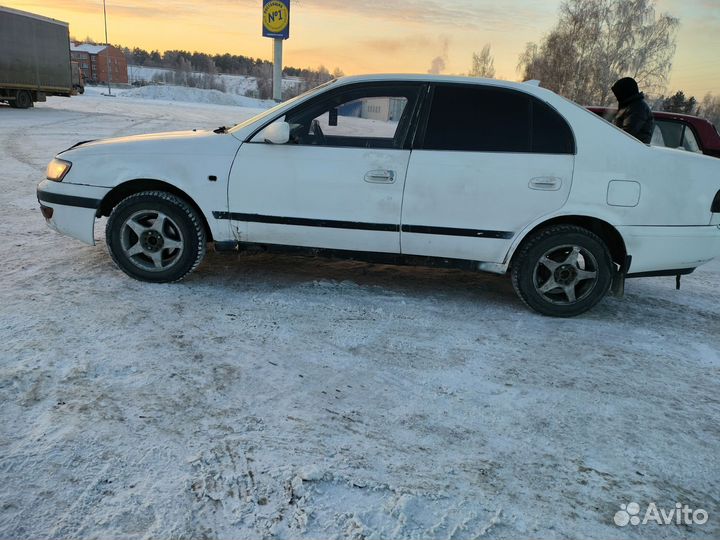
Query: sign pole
(277, 69)
(276, 25)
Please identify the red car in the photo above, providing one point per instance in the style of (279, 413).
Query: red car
(676, 130)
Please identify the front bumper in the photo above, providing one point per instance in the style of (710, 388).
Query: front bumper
(657, 249)
(74, 207)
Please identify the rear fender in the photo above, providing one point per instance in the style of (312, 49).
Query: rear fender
(567, 212)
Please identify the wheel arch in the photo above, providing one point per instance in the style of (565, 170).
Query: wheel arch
(130, 187)
(607, 232)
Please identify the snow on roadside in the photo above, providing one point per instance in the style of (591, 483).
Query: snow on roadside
(194, 95)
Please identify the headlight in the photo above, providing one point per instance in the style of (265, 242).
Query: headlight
(57, 169)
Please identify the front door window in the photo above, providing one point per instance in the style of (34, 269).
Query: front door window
(368, 117)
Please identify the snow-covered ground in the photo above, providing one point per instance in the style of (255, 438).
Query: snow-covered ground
(269, 396)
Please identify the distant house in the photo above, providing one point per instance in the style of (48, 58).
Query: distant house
(93, 62)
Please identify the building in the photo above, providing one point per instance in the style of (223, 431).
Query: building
(385, 109)
(93, 62)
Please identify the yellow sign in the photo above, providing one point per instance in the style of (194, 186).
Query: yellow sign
(276, 18)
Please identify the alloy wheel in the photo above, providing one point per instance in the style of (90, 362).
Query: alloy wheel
(151, 240)
(565, 274)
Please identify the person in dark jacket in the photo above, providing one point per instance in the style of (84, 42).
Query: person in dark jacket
(634, 115)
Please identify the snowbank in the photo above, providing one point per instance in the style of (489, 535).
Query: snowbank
(194, 95)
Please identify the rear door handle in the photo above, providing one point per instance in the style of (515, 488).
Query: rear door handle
(380, 176)
(545, 183)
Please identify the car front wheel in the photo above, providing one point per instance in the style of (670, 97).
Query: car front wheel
(562, 271)
(155, 236)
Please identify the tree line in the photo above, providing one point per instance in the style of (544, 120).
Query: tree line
(184, 62)
(198, 69)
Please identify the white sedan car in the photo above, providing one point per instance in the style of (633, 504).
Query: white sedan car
(415, 169)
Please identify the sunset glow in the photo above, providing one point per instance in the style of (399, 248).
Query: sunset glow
(365, 36)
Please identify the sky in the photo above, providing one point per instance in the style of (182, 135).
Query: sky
(371, 36)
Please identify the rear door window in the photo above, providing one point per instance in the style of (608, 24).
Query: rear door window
(671, 133)
(490, 119)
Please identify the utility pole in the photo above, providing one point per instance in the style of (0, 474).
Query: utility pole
(107, 51)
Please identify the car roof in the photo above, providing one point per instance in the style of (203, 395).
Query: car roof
(425, 77)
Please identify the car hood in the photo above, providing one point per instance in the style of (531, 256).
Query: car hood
(181, 158)
(167, 143)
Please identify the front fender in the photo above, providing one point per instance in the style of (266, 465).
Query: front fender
(194, 163)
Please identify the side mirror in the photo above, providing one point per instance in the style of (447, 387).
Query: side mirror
(277, 133)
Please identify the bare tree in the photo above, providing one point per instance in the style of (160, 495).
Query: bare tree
(596, 42)
(483, 64)
(264, 76)
(710, 109)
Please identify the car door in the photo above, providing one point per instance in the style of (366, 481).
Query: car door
(338, 182)
(488, 161)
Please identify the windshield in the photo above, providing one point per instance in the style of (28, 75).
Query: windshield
(270, 112)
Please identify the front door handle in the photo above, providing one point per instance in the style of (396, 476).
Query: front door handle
(545, 183)
(380, 177)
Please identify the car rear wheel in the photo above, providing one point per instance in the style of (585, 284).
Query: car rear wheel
(155, 236)
(562, 271)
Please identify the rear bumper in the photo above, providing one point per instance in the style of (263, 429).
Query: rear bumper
(659, 249)
(73, 208)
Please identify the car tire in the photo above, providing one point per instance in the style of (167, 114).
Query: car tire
(23, 100)
(155, 236)
(562, 270)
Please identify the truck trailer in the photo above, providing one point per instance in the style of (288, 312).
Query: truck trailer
(34, 58)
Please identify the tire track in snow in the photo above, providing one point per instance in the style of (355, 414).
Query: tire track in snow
(17, 144)
(20, 152)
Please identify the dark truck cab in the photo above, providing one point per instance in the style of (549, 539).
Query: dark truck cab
(675, 130)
